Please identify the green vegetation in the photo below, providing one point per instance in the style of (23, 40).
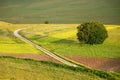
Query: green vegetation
(91, 33)
(61, 39)
(10, 44)
(58, 38)
(46, 22)
(60, 11)
(23, 69)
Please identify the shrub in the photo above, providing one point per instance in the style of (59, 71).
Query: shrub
(46, 22)
(91, 33)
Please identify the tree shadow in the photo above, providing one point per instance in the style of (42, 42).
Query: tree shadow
(65, 41)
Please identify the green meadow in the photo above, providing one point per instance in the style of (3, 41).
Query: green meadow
(62, 11)
(61, 39)
(27, 69)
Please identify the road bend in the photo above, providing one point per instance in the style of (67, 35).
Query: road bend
(16, 33)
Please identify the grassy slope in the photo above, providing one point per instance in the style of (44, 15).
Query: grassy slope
(62, 11)
(10, 44)
(29, 69)
(24, 69)
(61, 39)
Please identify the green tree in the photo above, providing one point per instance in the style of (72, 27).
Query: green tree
(92, 33)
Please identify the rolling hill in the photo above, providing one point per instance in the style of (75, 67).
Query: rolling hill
(27, 69)
(12, 68)
(60, 11)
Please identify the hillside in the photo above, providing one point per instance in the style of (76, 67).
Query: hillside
(60, 11)
(28, 69)
(60, 39)
(10, 44)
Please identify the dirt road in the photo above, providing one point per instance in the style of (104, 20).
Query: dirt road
(16, 33)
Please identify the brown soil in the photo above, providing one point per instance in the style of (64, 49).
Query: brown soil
(32, 56)
(106, 64)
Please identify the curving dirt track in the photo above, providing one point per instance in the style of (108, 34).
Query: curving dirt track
(16, 33)
(106, 64)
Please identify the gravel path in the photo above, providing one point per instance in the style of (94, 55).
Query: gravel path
(16, 33)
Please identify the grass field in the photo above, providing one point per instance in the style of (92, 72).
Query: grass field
(62, 11)
(61, 39)
(27, 69)
(58, 38)
(10, 44)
